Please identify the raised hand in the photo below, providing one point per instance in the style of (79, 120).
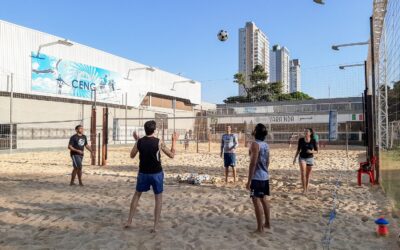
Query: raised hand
(175, 136)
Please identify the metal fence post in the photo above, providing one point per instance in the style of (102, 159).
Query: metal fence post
(98, 149)
(347, 139)
(174, 108)
(11, 111)
(126, 116)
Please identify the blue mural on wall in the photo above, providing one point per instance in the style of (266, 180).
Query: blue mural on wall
(62, 77)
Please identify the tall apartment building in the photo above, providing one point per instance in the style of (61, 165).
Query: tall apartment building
(253, 50)
(280, 67)
(295, 75)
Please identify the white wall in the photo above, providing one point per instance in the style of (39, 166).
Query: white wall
(288, 119)
(36, 120)
(17, 43)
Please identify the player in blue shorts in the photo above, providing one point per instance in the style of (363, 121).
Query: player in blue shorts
(150, 171)
(228, 147)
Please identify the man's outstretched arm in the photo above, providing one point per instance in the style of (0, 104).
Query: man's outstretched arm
(170, 152)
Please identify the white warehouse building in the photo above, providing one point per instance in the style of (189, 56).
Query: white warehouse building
(54, 79)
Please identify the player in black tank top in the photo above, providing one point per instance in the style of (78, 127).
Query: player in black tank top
(149, 155)
(150, 170)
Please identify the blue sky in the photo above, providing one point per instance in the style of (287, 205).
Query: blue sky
(180, 36)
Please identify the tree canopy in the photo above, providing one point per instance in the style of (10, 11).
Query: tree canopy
(262, 91)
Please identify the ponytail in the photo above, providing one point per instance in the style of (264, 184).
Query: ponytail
(312, 133)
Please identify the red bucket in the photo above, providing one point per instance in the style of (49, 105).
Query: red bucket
(382, 230)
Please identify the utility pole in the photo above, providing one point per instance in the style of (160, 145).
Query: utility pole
(373, 108)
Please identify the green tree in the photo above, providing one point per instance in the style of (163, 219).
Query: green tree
(258, 76)
(275, 88)
(257, 91)
(236, 99)
(240, 79)
(284, 97)
(300, 96)
(261, 91)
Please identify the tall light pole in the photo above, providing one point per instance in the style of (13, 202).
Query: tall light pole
(373, 110)
(151, 69)
(174, 98)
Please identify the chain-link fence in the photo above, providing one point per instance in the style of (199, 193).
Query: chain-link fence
(43, 122)
(285, 123)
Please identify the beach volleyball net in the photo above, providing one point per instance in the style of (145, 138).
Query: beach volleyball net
(202, 133)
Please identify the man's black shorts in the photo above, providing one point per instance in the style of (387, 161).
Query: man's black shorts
(258, 189)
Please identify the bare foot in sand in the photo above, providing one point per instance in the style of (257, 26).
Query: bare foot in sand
(258, 231)
(81, 184)
(128, 225)
(267, 226)
(72, 184)
(153, 231)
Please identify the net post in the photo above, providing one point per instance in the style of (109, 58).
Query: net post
(98, 149)
(162, 129)
(197, 135)
(93, 135)
(347, 139)
(104, 138)
(209, 141)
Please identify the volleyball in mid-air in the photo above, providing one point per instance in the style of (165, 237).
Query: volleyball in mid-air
(222, 35)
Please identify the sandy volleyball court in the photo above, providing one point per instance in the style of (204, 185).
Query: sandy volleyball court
(39, 210)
